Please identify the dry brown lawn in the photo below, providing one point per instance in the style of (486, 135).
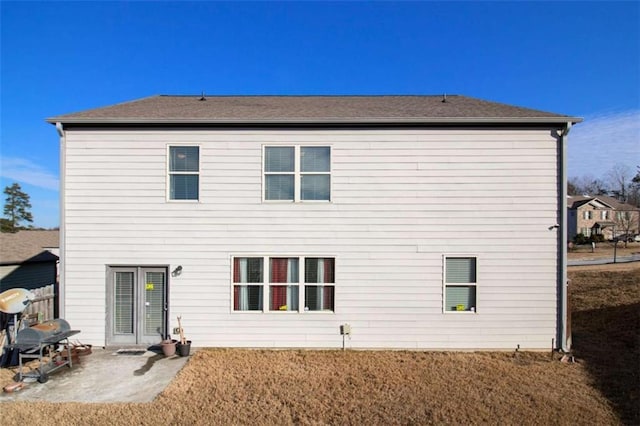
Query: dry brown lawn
(606, 332)
(232, 386)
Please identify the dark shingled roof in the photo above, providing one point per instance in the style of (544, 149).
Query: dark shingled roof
(311, 109)
(28, 246)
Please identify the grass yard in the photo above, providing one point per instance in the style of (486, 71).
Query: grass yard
(606, 332)
(232, 386)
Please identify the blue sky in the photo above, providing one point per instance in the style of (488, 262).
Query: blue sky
(576, 58)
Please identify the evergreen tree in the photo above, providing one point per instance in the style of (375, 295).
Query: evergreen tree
(16, 208)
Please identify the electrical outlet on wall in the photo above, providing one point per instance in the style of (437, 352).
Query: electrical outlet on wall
(176, 330)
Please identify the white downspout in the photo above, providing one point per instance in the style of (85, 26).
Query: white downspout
(63, 169)
(565, 338)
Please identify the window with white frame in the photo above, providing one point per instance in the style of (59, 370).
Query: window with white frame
(247, 283)
(460, 284)
(297, 173)
(319, 286)
(588, 215)
(604, 215)
(288, 283)
(184, 172)
(283, 283)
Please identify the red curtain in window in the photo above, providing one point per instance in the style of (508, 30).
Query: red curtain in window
(278, 297)
(328, 270)
(329, 278)
(236, 298)
(327, 298)
(279, 270)
(236, 289)
(236, 270)
(278, 275)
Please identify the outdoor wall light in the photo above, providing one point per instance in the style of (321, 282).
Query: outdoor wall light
(177, 271)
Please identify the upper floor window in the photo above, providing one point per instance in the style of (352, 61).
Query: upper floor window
(588, 214)
(623, 215)
(184, 172)
(460, 284)
(604, 215)
(297, 173)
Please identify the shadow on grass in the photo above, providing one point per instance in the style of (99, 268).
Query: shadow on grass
(608, 342)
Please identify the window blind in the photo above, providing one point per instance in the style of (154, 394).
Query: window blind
(315, 159)
(154, 298)
(184, 158)
(279, 159)
(463, 297)
(124, 303)
(460, 270)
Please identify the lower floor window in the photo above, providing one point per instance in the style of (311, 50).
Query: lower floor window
(298, 284)
(284, 297)
(247, 297)
(586, 232)
(318, 298)
(460, 284)
(460, 298)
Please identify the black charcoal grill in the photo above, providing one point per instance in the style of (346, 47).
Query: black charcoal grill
(32, 342)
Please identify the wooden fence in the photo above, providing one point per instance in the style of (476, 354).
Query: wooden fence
(42, 308)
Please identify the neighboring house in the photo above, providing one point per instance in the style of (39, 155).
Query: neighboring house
(272, 221)
(600, 215)
(28, 259)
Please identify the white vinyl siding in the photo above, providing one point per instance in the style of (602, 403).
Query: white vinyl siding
(400, 198)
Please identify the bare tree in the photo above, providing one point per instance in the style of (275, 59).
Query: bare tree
(634, 189)
(627, 221)
(587, 185)
(620, 179)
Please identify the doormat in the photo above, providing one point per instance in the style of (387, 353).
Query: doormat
(134, 352)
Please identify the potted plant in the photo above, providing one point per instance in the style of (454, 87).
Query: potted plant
(183, 347)
(168, 347)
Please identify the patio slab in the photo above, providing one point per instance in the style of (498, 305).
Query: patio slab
(104, 376)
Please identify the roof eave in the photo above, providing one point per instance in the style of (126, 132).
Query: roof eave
(327, 120)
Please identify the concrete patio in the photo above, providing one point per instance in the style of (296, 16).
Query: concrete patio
(104, 376)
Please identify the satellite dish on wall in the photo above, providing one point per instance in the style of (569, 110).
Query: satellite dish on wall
(15, 300)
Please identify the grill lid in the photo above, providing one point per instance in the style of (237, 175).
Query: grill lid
(40, 332)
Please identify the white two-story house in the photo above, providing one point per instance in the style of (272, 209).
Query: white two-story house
(274, 221)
